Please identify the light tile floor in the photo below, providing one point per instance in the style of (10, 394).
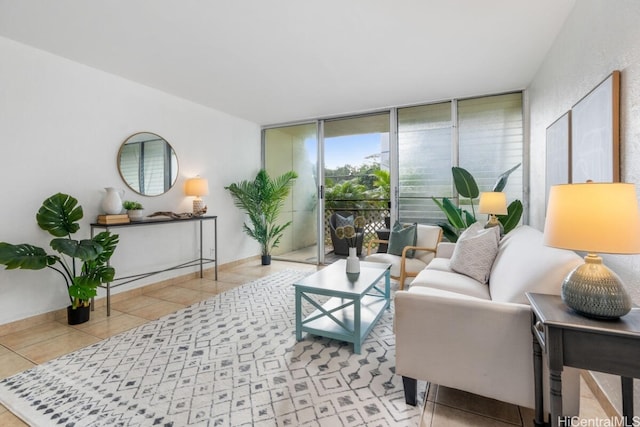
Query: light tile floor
(37, 344)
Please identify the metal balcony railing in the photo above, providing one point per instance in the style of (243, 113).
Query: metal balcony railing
(374, 216)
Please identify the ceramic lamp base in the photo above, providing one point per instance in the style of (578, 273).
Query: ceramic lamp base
(198, 206)
(594, 291)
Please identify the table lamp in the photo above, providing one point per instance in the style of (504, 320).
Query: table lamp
(594, 218)
(197, 187)
(493, 203)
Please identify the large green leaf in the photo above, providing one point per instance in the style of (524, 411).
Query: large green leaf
(512, 218)
(453, 213)
(449, 233)
(465, 183)
(25, 256)
(108, 242)
(59, 215)
(85, 250)
(468, 218)
(501, 182)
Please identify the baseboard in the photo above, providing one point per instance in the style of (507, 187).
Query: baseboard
(599, 394)
(31, 321)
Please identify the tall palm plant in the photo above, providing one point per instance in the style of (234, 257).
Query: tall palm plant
(262, 199)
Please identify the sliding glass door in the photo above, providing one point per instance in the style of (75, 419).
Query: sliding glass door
(296, 148)
(353, 151)
(356, 174)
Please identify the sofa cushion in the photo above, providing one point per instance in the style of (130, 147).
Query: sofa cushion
(441, 264)
(400, 237)
(475, 252)
(524, 264)
(451, 282)
(342, 221)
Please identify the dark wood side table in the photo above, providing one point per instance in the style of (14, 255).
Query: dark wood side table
(566, 338)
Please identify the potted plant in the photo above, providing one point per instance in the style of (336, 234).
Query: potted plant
(459, 219)
(134, 210)
(59, 215)
(262, 199)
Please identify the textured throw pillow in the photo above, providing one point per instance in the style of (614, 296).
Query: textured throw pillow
(475, 251)
(400, 237)
(342, 221)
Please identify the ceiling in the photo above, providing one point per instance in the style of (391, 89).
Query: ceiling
(276, 61)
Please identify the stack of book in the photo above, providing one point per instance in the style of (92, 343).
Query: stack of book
(113, 219)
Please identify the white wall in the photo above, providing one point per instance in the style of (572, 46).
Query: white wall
(599, 36)
(61, 125)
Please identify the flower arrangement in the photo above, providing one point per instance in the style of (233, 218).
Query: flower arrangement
(349, 232)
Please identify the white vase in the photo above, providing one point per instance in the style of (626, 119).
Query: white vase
(112, 202)
(353, 262)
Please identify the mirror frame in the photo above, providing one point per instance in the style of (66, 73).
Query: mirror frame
(168, 145)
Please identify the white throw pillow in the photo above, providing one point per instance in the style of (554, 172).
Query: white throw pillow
(475, 252)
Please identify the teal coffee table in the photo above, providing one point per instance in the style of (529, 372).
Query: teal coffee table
(355, 303)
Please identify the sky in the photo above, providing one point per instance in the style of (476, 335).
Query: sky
(351, 149)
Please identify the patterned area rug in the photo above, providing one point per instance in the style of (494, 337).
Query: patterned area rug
(232, 360)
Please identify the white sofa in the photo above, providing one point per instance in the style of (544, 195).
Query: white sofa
(457, 332)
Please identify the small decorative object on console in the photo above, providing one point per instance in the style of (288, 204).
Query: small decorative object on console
(134, 210)
(197, 187)
(113, 219)
(112, 202)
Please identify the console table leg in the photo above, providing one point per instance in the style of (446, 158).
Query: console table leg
(201, 273)
(108, 299)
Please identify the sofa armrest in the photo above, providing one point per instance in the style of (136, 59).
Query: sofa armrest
(467, 343)
(445, 249)
(480, 346)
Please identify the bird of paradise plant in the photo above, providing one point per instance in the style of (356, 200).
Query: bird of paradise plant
(459, 219)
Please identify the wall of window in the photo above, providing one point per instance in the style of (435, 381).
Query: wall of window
(483, 135)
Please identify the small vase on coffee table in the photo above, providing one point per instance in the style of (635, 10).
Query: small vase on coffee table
(353, 262)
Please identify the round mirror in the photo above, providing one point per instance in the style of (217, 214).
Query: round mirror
(148, 164)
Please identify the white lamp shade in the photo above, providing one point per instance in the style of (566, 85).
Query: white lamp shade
(196, 187)
(593, 217)
(493, 202)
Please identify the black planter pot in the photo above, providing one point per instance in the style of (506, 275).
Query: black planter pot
(266, 259)
(78, 315)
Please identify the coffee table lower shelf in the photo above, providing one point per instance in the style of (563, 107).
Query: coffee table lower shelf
(337, 319)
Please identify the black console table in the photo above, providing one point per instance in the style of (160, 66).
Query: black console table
(566, 338)
(156, 221)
